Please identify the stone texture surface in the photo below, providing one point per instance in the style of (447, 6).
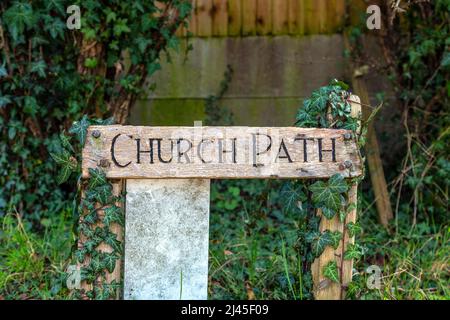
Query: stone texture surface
(166, 239)
(272, 76)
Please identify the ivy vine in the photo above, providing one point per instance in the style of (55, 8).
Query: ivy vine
(99, 209)
(328, 107)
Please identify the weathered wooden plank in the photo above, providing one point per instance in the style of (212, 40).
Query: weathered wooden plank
(321, 15)
(204, 19)
(192, 28)
(219, 18)
(264, 17)
(280, 11)
(311, 19)
(234, 17)
(331, 15)
(248, 17)
(296, 17)
(340, 12)
(220, 152)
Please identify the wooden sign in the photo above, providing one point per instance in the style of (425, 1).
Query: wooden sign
(220, 152)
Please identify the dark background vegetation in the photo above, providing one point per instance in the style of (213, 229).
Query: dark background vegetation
(50, 77)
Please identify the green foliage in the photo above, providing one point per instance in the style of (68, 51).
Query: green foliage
(414, 262)
(319, 241)
(354, 251)
(32, 265)
(328, 107)
(329, 194)
(353, 229)
(331, 271)
(98, 196)
(51, 76)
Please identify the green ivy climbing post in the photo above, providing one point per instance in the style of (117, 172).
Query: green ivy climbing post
(104, 283)
(332, 270)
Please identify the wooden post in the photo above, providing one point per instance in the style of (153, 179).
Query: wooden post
(376, 171)
(116, 275)
(167, 170)
(324, 289)
(375, 164)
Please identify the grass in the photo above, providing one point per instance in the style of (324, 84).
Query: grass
(33, 263)
(254, 252)
(414, 261)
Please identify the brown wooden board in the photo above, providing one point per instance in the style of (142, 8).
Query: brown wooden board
(220, 152)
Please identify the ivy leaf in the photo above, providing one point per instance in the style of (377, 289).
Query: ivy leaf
(4, 100)
(39, 68)
(3, 71)
(65, 142)
(90, 245)
(109, 261)
(328, 194)
(292, 197)
(330, 271)
(63, 175)
(111, 240)
(79, 128)
(328, 213)
(102, 194)
(68, 165)
(353, 229)
(336, 237)
(64, 159)
(97, 178)
(354, 251)
(96, 263)
(17, 17)
(113, 214)
(319, 99)
(80, 255)
(91, 217)
(319, 241)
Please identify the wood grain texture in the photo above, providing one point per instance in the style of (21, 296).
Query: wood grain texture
(324, 289)
(248, 17)
(220, 152)
(192, 28)
(296, 17)
(234, 17)
(220, 18)
(321, 14)
(264, 17)
(280, 19)
(204, 18)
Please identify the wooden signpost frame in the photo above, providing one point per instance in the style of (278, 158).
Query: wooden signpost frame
(100, 152)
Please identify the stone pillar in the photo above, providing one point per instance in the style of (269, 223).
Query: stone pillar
(166, 239)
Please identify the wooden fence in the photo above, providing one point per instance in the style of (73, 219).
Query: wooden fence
(270, 17)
